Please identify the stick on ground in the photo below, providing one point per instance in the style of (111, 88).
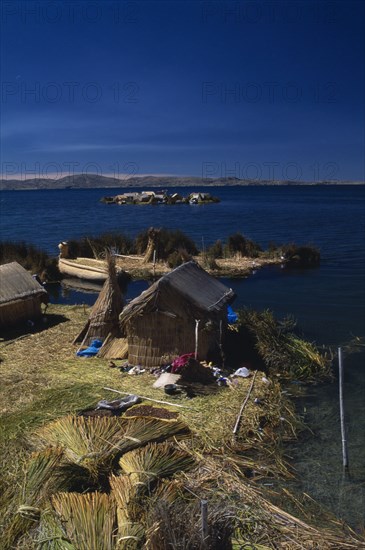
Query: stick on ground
(236, 426)
(149, 399)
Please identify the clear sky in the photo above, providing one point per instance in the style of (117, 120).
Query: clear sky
(213, 88)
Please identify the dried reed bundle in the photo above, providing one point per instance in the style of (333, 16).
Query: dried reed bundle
(42, 479)
(139, 431)
(87, 441)
(104, 317)
(43, 474)
(130, 536)
(89, 519)
(92, 441)
(143, 468)
(154, 461)
(131, 508)
(127, 497)
(51, 534)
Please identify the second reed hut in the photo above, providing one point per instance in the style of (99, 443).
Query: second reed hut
(183, 308)
(21, 296)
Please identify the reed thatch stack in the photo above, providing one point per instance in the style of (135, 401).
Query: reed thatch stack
(104, 317)
(153, 235)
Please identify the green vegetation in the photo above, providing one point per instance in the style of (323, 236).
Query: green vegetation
(95, 247)
(31, 258)
(216, 250)
(167, 242)
(239, 244)
(276, 347)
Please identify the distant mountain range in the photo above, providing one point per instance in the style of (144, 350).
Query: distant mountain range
(94, 181)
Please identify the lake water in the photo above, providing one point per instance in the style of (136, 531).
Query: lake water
(328, 302)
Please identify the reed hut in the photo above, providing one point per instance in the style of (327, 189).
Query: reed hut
(103, 321)
(184, 309)
(21, 296)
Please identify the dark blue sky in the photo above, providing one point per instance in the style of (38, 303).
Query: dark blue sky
(213, 88)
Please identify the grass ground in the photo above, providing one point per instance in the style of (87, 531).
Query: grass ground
(42, 379)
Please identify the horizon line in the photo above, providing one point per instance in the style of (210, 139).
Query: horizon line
(128, 177)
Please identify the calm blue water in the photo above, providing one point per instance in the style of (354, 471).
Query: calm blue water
(330, 217)
(328, 302)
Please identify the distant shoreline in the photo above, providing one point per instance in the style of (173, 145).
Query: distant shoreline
(93, 181)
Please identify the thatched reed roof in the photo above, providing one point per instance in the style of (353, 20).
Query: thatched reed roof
(189, 281)
(104, 317)
(17, 284)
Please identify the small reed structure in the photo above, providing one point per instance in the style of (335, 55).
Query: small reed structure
(161, 323)
(103, 321)
(21, 296)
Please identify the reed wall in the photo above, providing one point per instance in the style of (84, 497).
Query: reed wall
(20, 311)
(153, 337)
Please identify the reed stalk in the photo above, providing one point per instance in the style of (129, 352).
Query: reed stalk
(154, 461)
(89, 519)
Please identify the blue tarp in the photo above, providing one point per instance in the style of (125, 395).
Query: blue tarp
(92, 350)
(231, 316)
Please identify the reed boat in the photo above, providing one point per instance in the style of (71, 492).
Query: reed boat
(84, 268)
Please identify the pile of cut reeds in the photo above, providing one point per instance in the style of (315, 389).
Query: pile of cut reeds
(77, 455)
(258, 523)
(133, 483)
(282, 351)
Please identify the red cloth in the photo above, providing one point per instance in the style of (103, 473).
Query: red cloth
(180, 362)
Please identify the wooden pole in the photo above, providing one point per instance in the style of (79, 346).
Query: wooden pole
(204, 513)
(236, 426)
(223, 359)
(345, 458)
(149, 399)
(197, 321)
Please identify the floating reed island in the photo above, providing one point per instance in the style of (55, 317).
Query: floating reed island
(152, 253)
(186, 474)
(160, 197)
(157, 250)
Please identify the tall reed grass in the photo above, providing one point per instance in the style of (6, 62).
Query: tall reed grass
(281, 350)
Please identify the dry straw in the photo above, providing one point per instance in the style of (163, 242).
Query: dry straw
(42, 478)
(89, 519)
(51, 533)
(93, 442)
(155, 461)
(256, 519)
